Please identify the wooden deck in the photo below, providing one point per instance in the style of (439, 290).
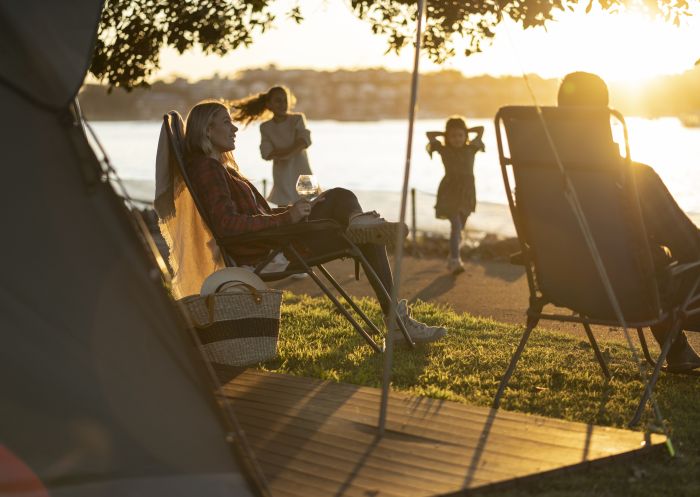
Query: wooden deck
(316, 438)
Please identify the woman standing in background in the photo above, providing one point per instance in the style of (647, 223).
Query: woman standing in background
(284, 139)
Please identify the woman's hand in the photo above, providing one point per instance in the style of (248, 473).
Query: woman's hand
(320, 198)
(300, 210)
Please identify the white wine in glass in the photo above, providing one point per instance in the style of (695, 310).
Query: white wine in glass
(307, 186)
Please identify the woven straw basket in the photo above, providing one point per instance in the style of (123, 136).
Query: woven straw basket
(237, 329)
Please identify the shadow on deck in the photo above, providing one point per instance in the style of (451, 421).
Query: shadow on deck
(318, 438)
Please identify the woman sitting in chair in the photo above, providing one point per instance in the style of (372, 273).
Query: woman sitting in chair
(234, 207)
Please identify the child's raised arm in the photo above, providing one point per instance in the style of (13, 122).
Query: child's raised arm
(433, 142)
(479, 130)
(433, 135)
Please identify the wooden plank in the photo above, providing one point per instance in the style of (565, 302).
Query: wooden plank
(366, 412)
(604, 435)
(338, 472)
(421, 406)
(389, 458)
(315, 438)
(440, 427)
(415, 458)
(300, 484)
(512, 455)
(258, 382)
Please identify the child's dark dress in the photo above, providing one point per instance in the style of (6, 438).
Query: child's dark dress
(456, 193)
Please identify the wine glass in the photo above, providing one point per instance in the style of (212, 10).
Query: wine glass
(307, 186)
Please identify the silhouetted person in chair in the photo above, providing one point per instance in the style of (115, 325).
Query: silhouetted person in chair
(667, 226)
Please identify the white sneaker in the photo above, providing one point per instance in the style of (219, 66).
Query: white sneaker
(278, 264)
(370, 227)
(455, 266)
(419, 332)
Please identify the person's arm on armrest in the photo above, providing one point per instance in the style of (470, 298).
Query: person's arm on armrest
(223, 207)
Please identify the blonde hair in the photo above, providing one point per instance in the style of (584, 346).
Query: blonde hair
(197, 125)
(254, 107)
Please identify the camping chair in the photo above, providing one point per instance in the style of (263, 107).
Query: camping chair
(560, 268)
(283, 239)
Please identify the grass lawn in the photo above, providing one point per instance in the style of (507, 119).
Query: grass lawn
(557, 376)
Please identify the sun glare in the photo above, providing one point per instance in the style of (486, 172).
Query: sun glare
(626, 47)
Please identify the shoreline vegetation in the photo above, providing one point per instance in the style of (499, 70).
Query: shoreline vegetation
(375, 94)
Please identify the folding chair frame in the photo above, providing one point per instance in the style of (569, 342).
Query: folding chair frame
(677, 314)
(282, 239)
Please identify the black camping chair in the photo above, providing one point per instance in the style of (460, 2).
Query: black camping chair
(560, 267)
(283, 239)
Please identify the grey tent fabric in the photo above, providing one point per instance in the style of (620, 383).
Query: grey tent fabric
(101, 391)
(45, 47)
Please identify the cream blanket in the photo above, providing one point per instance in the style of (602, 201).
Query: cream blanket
(194, 254)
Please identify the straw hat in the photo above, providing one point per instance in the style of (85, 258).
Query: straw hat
(231, 279)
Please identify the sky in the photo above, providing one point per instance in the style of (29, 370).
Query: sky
(620, 47)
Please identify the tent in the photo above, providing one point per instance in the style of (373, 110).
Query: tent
(100, 391)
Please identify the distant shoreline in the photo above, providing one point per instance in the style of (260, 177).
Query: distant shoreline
(376, 94)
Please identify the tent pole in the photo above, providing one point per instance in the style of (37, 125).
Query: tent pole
(398, 253)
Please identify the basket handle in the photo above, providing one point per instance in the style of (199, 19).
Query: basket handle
(253, 291)
(209, 300)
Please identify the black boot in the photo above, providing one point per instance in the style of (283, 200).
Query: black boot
(681, 357)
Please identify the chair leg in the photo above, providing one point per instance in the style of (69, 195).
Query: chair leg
(596, 349)
(531, 323)
(335, 301)
(402, 327)
(651, 383)
(645, 348)
(266, 261)
(372, 275)
(349, 299)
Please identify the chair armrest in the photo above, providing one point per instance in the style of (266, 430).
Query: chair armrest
(275, 237)
(517, 259)
(676, 269)
(521, 257)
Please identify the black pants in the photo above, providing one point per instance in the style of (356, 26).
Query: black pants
(337, 205)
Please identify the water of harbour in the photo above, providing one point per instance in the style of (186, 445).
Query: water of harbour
(369, 158)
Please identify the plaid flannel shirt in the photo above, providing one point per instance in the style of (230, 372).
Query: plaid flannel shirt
(233, 205)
